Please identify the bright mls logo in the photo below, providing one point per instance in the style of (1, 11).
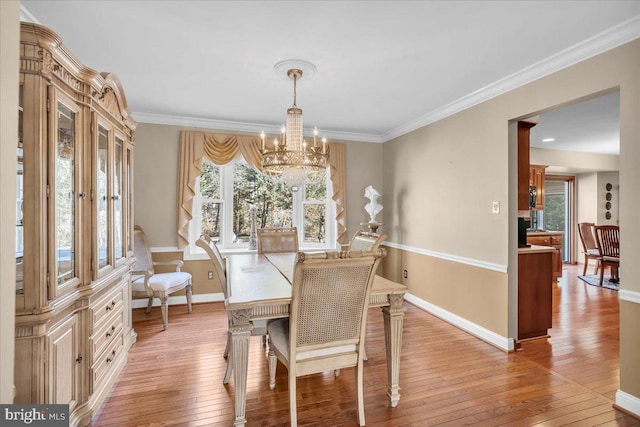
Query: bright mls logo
(35, 415)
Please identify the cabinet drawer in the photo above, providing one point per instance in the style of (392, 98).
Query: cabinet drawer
(105, 307)
(539, 240)
(556, 240)
(104, 363)
(107, 333)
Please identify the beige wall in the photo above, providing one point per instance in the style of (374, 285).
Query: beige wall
(9, 42)
(156, 177)
(440, 181)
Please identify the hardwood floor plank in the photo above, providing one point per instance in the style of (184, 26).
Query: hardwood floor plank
(447, 377)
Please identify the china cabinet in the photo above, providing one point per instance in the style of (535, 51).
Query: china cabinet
(74, 228)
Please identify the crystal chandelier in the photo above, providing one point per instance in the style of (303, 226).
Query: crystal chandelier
(291, 158)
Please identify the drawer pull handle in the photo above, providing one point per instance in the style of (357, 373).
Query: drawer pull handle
(110, 307)
(79, 359)
(113, 356)
(109, 333)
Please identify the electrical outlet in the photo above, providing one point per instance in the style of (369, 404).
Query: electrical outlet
(210, 275)
(405, 274)
(496, 207)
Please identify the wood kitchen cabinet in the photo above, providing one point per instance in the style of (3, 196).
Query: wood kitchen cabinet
(554, 240)
(524, 130)
(535, 288)
(536, 177)
(74, 230)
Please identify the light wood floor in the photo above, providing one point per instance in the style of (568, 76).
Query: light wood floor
(448, 377)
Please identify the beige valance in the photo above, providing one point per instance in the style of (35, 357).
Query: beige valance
(222, 149)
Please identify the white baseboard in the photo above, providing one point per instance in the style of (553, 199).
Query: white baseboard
(503, 343)
(180, 300)
(628, 402)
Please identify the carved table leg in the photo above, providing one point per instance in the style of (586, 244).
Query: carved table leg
(393, 320)
(240, 333)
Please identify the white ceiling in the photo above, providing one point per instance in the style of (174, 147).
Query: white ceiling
(383, 67)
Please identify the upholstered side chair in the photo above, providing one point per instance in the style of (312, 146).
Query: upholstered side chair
(327, 322)
(283, 239)
(220, 276)
(146, 283)
(366, 241)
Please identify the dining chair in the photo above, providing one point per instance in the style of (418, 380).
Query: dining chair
(328, 316)
(146, 283)
(220, 277)
(589, 245)
(366, 241)
(608, 239)
(283, 239)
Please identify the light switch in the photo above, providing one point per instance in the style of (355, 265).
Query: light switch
(496, 207)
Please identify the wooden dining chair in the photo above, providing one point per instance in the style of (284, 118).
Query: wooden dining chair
(328, 317)
(146, 283)
(283, 239)
(608, 239)
(220, 277)
(589, 245)
(366, 241)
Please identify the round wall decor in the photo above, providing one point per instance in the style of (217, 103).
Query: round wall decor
(608, 196)
(609, 186)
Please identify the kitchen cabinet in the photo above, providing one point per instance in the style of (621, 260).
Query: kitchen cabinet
(524, 130)
(534, 292)
(554, 240)
(536, 177)
(74, 230)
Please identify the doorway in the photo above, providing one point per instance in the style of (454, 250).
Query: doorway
(559, 211)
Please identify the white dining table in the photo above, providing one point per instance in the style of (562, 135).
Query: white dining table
(259, 288)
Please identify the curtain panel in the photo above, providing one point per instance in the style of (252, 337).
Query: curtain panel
(222, 149)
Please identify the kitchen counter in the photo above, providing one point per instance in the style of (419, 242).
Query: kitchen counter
(545, 233)
(553, 239)
(535, 249)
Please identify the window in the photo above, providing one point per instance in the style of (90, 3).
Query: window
(225, 194)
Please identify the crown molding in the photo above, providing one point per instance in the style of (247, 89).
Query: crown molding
(602, 42)
(255, 128)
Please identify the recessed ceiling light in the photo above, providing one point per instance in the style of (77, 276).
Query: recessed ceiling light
(548, 140)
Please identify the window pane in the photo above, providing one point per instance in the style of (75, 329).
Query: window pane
(274, 202)
(118, 219)
(210, 181)
(211, 219)
(314, 223)
(316, 186)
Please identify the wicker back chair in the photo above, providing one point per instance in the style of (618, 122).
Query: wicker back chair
(328, 316)
(146, 283)
(608, 238)
(220, 276)
(589, 245)
(277, 240)
(366, 241)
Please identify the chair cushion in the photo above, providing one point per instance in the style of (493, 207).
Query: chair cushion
(595, 252)
(611, 258)
(162, 281)
(279, 338)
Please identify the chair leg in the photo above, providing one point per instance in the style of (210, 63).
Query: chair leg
(364, 355)
(292, 399)
(586, 264)
(228, 347)
(273, 362)
(189, 298)
(360, 388)
(601, 275)
(227, 374)
(597, 267)
(149, 305)
(165, 312)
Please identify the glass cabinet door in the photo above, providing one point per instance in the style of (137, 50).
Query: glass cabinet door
(19, 199)
(129, 197)
(102, 191)
(118, 202)
(63, 194)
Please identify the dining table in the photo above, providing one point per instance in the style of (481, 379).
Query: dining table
(259, 290)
